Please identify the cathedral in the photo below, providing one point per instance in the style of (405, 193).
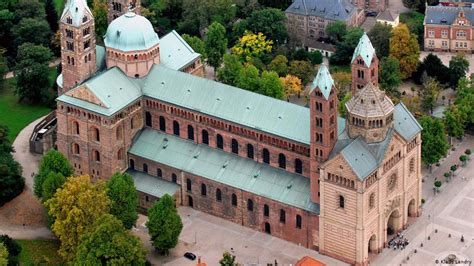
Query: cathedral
(139, 105)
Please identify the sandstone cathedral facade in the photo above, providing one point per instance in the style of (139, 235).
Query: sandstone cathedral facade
(139, 105)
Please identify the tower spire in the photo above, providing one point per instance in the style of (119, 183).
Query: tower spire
(364, 65)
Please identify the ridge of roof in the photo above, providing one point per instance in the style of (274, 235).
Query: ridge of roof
(365, 50)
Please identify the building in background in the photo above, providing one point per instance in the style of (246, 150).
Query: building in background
(373, 5)
(389, 18)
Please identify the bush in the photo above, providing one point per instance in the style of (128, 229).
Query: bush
(13, 249)
(316, 57)
(437, 184)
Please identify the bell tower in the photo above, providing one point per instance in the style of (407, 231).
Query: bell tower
(78, 58)
(120, 7)
(323, 122)
(365, 65)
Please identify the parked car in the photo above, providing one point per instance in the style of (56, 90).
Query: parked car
(370, 14)
(190, 256)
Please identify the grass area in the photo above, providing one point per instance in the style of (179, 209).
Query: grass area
(17, 115)
(39, 252)
(342, 68)
(59, 4)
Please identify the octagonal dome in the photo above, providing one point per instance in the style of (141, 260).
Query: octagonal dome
(370, 102)
(131, 32)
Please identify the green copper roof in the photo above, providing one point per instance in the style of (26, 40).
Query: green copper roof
(243, 107)
(359, 156)
(131, 32)
(175, 53)
(152, 185)
(404, 122)
(225, 168)
(76, 9)
(365, 50)
(323, 81)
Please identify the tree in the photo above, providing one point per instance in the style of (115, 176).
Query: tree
(341, 108)
(3, 255)
(414, 20)
(270, 22)
(437, 184)
(342, 80)
(404, 47)
(453, 123)
(122, 193)
(246, 7)
(249, 79)
(11, 181)
(336, 31)
(163, 14)
(164, 224)
(227, 259)
(430, 94)
(389, 76)
(301, 55)
(51, 15)
(280, 4)
(29, 9)
(468, 153)
(109, 243)
(216, 44)
(3, 66)
(434, 145)
(13, 249)
(74, 208)
(345, 48)
(51, 184)
(458, 67)
(465, 101)
(196, 43)
(463, 159)
(292, 85)
(433, 67)
(30, 54)
(271, 85)
(229, 73)
(316, 57)
(303, 70)
(380, 36)
(99, 11)
(279, 64)
(252, 46)
(32, 30)
(453, 169)
(419, 4)
(199, 14)
(52, 162)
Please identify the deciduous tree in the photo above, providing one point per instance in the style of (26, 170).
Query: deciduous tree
(121, 191)
(74, 208)
(465, 101)
(342, 80)
(3, 255)
(336, 31)
(430, 94)
(271, 85)
(316, 57)
(303, 70)
(292, 85)
(345, 48)
(230, 71)
(11, 181)
(227, 259)
(434, 145)
(279, 64)
(99, 10)
(32, 30)
(341, 108)
(51, 15)
(380, 36)
(404, 47)
(249, 79)
(270, 22)
(252, 46)
(13, 249)
(216, 44)
(109, 243)
(453, 122)
(164, 224)
(458, 67)
(199, 14)
(196, 43)
(52, 162)
(51, 184)
(389, 76)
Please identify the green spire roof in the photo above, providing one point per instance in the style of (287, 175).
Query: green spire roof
(365, 50)
(76, 9)
(323, 81)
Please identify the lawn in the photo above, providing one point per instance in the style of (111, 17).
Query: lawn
(39, 252)
(16, 115)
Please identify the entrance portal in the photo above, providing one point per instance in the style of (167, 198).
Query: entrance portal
(394, 223)
(267, 228)
(190, 202)
(412, 208)
(372, 247)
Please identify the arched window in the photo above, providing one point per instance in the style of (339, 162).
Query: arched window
(188, 184)
(412, 165)
(203, 190)
(96, 134)
(234, 200)
(176, 128)
(235, 146)
(75, 128)
(96, 156)
(205, 137)
(148, 121)
(162, 123)
(266, 210)
(220, 142)
(145, 168)
(341, 201)
(132, 164)
(159, 173)
(190, 132)
(298, 221)
(298, 166)
(372, 200)
(282, 216)
(282, 161)
(218, 195)
(250, 205)
(118, 133)
(75, 149)
(132, 123)
(174, 178)
(120, 154)
(250, 151)
(266, 156)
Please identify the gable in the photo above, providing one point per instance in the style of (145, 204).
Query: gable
(85, 94)
(338, 165)
(395, 145)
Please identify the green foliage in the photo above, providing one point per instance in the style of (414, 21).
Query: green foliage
(99, 10)
(39, 251)
(3, 66)
(467, 152)
(122, 193)
(438, 184)
(458, 67)
(246, 7)
(430, 94)
(465, 101)
(51, 15)
(30, 54)
(345, 48)
(463, 158)
(433, 67)
(336, 31)
(380, 36)
(196, 43)
(33, 30)
(341, 108)
(301, 54)
(227, 259)
(453, 168)
(303, 70)
(434, 145)
(279, 64)
(414, 20)
(163, 14)
(74, 208)
(389, 76)
(11, 181)
(229, 73)
(199, 14)
(29, 9)
(270, 22)
(271, 85)
(315, 57)
(3, 255)
(108, 243)
(405, 48)
(164, 224)
(51, 184)
(280, 4)
(12, 247)
(52, 162)
(216, 44)
(419, 4)
(249, 78)
(453, 122)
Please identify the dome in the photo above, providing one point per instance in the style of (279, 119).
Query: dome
(131, 32)
(370, 102)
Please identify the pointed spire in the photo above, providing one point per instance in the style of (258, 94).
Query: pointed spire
(323, 81)
(365, 50)
(76, 10)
